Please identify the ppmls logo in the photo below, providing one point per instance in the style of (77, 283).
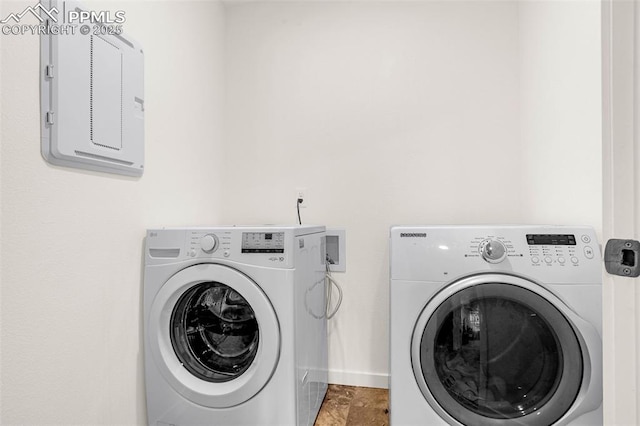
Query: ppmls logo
(35, 11)
(76, 21)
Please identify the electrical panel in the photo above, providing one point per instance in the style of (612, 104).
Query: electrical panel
(92, 92)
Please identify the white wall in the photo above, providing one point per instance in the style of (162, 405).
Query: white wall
(387, 113)
(561, 111)
(72, 241)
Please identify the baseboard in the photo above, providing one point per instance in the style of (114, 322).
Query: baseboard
(358, 378)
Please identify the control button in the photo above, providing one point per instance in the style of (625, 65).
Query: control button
(208, 243)
(547, 259)
(574, 260)
(588, 252)
(561, 260)
(192, 253)
(226, 253)
(493, 251)
(534, 259)
(585, 239)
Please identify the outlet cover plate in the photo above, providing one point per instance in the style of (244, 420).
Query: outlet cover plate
(336, 249)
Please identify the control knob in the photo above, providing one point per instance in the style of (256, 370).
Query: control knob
(493, 251)
(208, 243)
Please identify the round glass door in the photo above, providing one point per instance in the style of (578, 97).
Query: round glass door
(213, 335)
(214, 332)
(493, 352)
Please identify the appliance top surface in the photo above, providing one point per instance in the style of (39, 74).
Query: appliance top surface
(297, 229)
(551, 254)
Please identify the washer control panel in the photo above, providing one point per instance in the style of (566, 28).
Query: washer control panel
(268, 248)
(269, 245)
(540, 250)
(558, 249)
(492, 248)
(551, 254)
(263, 242)
(206, 243)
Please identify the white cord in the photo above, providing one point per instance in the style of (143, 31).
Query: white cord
(331, 284)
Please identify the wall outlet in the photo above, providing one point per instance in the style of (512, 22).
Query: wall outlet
(302, 193)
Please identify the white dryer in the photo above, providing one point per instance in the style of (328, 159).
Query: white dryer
(495, 325)
(235, 331)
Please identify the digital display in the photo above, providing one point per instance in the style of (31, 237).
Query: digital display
(551, 239)
(263, 242)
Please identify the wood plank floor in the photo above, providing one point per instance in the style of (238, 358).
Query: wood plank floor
(354, 406)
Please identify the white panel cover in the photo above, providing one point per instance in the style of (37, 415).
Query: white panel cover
(92, 96)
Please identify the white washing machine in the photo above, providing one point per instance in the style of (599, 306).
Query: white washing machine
(495, 325)
(234, 325)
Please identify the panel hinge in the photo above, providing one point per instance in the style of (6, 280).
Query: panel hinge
(48, 71)
(49, 118)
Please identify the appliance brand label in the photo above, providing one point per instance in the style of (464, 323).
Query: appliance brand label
(413, 235)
